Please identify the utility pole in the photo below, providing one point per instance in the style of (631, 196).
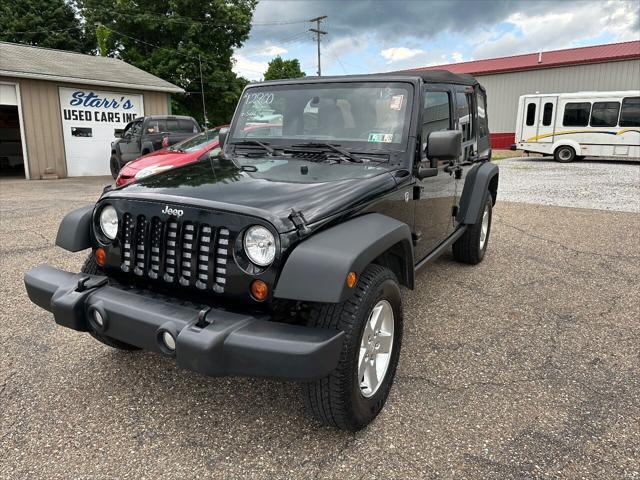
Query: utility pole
(318, 32)
(204, 108)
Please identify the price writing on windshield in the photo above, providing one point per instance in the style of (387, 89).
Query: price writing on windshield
(260, 98)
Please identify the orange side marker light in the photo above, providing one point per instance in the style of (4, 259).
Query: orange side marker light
(259, 290)
(352, 278)
(101, 256)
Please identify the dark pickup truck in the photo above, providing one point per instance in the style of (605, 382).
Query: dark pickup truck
(147, 134)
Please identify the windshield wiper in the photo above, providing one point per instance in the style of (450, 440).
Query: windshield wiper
(335, 147)
(264, 145)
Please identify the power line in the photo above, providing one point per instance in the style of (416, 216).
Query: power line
(318, 33)
(46, 30)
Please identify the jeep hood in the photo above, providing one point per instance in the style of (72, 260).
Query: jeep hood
(222, 185)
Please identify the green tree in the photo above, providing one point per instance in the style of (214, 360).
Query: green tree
(168, 38)
(282, 69)
(44, 23)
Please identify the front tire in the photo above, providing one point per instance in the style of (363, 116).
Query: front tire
(91, 267)
(355, 392)
(472, 245)
(564, 154)
(114, 165)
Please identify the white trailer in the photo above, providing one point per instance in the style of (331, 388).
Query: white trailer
(571, 126)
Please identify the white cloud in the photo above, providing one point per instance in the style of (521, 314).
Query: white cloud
(400, 53)
(457, 57)
(272, 51)
(253, 70)
(561, 29)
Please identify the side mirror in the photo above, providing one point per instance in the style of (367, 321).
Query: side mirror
(222, 136)
(117, 134)
(425, 171)
(444, 145)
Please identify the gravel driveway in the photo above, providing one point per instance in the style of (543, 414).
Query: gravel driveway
(601, 184)
(525, 366)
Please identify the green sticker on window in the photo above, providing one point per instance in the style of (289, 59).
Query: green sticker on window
(381, 137)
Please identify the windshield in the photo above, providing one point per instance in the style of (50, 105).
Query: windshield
(197, 142)
(361, 116)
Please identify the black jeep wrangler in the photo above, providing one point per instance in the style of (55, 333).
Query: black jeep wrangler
(284, 255)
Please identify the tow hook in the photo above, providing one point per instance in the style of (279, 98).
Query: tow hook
(202, 318)
(84, 283)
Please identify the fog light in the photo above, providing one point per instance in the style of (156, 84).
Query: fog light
(97, 317)
(168, 341)
(259, 290)
(101, 256)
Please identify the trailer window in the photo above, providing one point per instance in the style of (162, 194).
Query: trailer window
(576, 114)
(547, 114)
(630, 113)
(531, 114)
(605, 114)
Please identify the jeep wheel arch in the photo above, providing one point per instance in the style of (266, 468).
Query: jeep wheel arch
(481, 180)
(147, 147)
(317, 268)
(74, 232)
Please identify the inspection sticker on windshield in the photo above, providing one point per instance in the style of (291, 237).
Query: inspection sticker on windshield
(396, 102)
(381, 137)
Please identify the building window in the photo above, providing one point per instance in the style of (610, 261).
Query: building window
(576, 114)
(630, 113)
(547, 114)
(81, 132)
(605, 114)
(531, 114)
(483, 126)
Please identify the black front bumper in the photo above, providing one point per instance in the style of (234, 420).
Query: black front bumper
(213, 342)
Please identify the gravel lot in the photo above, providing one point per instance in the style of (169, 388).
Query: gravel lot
(526, 366)
(602, 184)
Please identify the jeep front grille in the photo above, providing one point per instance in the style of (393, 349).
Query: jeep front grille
(183, 253)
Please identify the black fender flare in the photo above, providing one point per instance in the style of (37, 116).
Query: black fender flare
(74, 232)
(482, 180)
(317, 268)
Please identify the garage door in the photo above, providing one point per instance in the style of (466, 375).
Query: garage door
(90, 119)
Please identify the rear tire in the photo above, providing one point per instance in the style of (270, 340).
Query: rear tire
(91, 267)
(355, 392)
(114, 165)
(564, 154)
(472, 245)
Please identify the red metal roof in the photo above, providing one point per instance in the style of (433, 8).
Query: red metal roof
(556, 58)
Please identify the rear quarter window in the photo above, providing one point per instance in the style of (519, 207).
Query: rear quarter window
(187, 126)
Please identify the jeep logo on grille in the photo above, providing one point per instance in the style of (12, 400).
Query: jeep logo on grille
(172, 211)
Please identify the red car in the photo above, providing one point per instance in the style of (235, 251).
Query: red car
(187, 151)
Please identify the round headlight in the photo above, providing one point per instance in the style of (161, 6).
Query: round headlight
(109, 222)
(259, 245)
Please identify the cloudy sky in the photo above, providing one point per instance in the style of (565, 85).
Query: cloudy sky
(384, 35)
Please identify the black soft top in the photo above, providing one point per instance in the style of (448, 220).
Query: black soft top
(437, 76)
(427, 76)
